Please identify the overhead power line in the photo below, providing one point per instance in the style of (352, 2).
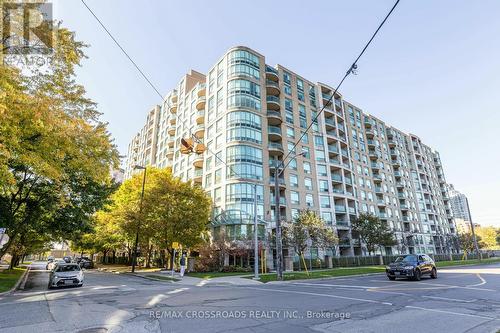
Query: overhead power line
(351, 70)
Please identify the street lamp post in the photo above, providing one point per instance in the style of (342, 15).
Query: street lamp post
(134, 259)
(473, 231)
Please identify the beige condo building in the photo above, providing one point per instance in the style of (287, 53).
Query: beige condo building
(250, 114)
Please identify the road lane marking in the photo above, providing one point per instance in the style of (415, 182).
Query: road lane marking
(451, 312)
(483, 281)
(332, 285)
(320, 295)
(450, 299)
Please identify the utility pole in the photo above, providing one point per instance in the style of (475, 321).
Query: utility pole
(279, 250)
(479, 256)
(255, 235)
(134, 259)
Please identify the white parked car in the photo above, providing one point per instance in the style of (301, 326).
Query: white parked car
(65, 274)
(51, 264)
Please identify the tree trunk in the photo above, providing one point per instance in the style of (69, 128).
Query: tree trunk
(104, 254)
(148, 260)
(114, 257)
(7, 245)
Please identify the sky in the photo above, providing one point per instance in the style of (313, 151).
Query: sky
(434, 69)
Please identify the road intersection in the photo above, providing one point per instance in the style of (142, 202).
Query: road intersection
(462, 299)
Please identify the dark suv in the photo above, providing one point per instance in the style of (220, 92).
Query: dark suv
(411, 266)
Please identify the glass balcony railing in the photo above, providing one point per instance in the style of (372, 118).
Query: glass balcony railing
(272, 99)
(340, 208)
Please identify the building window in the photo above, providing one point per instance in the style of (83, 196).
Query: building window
(243, 63)
(307, 167)
(323, 186)
(244, 126)
(308, 183)
(325, 202)
(309, 200)
(294, 198)
(321, 170)
(243, 93)
(244, 161)
(294, 180)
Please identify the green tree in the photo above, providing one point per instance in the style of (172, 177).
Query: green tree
(308, 227)
(173, 211)
(488, 237)
(372, 232)
(55, 153)
(467, 242)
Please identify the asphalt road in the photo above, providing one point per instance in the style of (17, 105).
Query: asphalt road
(462, 299)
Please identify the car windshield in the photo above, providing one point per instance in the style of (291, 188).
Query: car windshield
(409, 258)
(67, 268)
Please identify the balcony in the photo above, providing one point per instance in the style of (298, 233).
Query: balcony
(374, 155)
(171, 130)
(271, 73)
(371, 143)
(392, 142)
(369, 133)
(396, 162)
(273, 103)
(275, 149)
(198, 175)
(173, 120)
(338, 191)
(274, 133)
(377, 178)
(342, 224)
(200, 117)
(338, 105)
(379, 189)
(333, 149)
(199, 131)
(398, 174)
(348, 180)
(351, 210)
(375, 166)
(381, 203)
(404, 206)
(274, 118)
(406, 219)
(382, 216)
(340, 209)
(272, 88)
(337, 178)
(171, 141)
(200, 103)
(400, 184)
(281, 182)
(344, 242)
(368, 123)
(173, 108)
(329, 123)
(198, 161)
(282, 201)
(344, 152)
(170, 153)
(202, 89)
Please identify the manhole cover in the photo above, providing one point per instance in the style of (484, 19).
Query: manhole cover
(94, 330)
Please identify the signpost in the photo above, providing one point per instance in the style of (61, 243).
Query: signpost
(175, 246)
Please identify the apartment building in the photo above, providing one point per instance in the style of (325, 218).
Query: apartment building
(143, 147)
(249, 115)
(459, 204)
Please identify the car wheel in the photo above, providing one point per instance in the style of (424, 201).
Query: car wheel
(434, 273)
(392, 278)
(417, 275)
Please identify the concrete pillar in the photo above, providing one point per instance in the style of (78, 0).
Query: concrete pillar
(288, 263)
(328, 261)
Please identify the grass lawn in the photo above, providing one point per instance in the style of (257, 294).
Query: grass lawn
(162, 277)
(210, 275)
(341, 271)
(466, 262)
(125, 268)
(9, 277)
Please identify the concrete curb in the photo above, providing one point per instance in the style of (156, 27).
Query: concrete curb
(324, 278)
(21, 279)
(147, 277)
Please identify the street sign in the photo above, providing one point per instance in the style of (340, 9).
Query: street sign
(175, 245)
